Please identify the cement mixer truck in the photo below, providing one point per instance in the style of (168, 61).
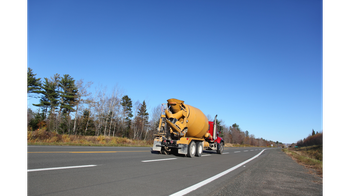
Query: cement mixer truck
(184, 129)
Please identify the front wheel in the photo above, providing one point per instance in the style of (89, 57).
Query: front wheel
(220, 148)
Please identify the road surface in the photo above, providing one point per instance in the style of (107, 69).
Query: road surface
(70, 170)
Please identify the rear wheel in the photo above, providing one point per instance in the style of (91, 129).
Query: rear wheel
(199, 149)
(191, 149)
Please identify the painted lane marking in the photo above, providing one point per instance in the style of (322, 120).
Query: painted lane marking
(226, 153)
(146, 161)
(57, 168)
(206, 155)
(107, 151)
(245, 151)
(86, 151)
(200, 184)
(49, 152)
(236, 151)
(95, 152)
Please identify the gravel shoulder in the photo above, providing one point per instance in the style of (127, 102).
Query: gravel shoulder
(274, 174)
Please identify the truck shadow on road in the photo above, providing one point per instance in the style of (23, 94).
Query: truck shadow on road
(209, 152)
(205, 152)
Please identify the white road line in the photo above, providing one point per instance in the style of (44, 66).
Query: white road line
(200, 184)
(226, 153)
(146, 161)
(236, 151)
(206, 155)
(57, 168)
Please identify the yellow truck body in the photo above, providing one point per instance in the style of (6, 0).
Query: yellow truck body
(184, 129)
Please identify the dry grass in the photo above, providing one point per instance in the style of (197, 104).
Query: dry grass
(314, 152)
(42, 137)
(310, 157)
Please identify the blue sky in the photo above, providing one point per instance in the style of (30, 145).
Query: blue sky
(254, 63)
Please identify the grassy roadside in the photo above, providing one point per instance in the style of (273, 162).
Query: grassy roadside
(310, 157)
(42, 137)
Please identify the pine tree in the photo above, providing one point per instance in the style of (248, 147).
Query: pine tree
(127, 111)
(142, 117)
(127, 107)
(33, 84)
(49, 99)
(68, 94)
(142, 113)
(236, 127)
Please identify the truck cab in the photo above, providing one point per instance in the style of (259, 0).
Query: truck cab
(214, 140)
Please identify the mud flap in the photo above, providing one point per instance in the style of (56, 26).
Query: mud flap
(182, 148)
(156, 146)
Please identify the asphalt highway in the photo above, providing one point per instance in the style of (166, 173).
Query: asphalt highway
(70, 170)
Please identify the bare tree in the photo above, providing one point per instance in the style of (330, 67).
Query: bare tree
(236, 135)
(154, 123)
(226, 133)
(136, 107)
(90, 102)
(99, 107)
(82, 92)
(108, 115)
(114, 106)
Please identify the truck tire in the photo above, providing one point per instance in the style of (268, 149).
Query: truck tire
(220, 148)
(199, 149)
(191, 149)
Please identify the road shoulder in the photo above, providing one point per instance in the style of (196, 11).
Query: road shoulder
(274, 174)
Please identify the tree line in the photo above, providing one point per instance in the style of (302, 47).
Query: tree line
(67, 106)
(314, 138)
(234, 135)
